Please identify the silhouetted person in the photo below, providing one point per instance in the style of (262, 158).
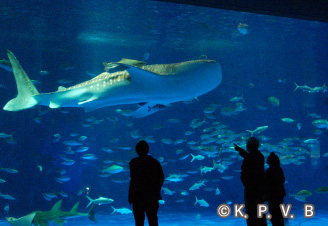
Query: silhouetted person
(275, 189)
(147, 178)
(252, 177)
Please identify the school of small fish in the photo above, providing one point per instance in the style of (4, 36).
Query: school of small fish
(205, 148)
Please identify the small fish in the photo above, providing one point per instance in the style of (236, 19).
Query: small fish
(321, 123)
(299, 126)
(62, 179)
(322, 190)
(67, 66)
(82, 138)
(185, 193)
(72, 143)
(9, 170)
(197, 186)
(188, 133)
(166, 141)
(99, 201)
(44, 72)
(258, 130)
(313, 115)
(89, 157)
(274, 101)
(236, 99)
(38, 119)
(174, 178)
(64, 81)
(82, 149)
(121, 210)
(5, 64)
(35, 82)
(302, 195)
(10, 140)
(201, 202)
(6, 208)
(74, 134)
(56, 137)
(304, 88)
(287, 120)
(50, 195)
(91, 74)
(4, 135)
(107, 149)
(8, 197)
(40, 167)
(311, 141)
(203, 57)
(167, 191)
(113, 169)
(197, 157)
(243, 28)
(68, 162)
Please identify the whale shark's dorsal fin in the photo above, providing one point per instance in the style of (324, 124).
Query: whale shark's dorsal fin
(57, 206)
(131, 62)
(123, 61)
(61, 88)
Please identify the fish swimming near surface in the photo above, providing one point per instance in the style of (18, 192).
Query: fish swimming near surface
(153, 86)
(42, 218)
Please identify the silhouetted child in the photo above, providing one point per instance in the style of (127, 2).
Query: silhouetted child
(275, 189)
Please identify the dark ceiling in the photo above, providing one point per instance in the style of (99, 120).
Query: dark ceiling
(316, 10)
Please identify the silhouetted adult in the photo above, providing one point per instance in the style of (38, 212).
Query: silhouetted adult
(147, 178)
(252, 177)
(275, 189)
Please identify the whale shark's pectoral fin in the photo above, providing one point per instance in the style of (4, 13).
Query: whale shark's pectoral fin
(147, 109)
(88, 100)
(23, 221)
(54, 105)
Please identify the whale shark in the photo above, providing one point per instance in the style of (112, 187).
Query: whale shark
(42, 218)
(152, 87)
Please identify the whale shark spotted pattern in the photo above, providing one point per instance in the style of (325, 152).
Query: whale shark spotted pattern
(153, 85)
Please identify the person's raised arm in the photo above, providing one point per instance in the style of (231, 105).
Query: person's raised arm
(241, 151)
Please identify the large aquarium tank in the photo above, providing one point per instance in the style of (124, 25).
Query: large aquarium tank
(189, 80)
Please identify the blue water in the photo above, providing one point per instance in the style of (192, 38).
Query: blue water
(71, 40)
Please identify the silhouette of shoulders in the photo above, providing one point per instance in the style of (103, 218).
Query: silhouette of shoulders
(147, 178)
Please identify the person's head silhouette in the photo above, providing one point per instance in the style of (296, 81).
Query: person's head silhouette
(273, 160)
(252, 144)
(142, 148)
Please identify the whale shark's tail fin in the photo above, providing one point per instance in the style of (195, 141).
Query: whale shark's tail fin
(25, 88)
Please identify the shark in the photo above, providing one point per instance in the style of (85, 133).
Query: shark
(152, 87)
(42, 218)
